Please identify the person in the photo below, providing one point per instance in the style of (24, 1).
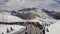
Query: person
(43, 31)
(47, 30)
(26, 27)
(2, 33)
(7, 30)
(11, 28)
(26, 33)
(40, 26)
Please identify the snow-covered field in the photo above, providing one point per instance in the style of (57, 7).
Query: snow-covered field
(54, 28)
(16, 29)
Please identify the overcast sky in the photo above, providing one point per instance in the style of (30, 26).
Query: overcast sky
(20, 4)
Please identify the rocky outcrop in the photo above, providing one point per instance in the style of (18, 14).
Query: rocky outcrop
(53, 14)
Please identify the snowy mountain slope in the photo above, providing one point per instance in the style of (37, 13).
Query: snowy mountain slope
(6, 17)
(52, 14)
(45, 17)
(54, 27)
(46, 20)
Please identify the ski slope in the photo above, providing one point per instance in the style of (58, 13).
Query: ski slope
(54, 28)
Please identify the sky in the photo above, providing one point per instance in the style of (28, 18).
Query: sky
(20, 4)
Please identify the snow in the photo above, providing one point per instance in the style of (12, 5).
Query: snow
(54, 28)
(16, 29)
(41, 20)
(10, 18)
(6, 17)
